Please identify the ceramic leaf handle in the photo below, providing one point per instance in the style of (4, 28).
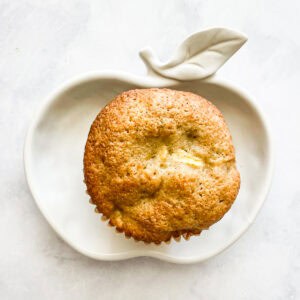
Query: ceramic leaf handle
(199, 56)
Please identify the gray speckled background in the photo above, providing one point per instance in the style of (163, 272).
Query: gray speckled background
(43, 43)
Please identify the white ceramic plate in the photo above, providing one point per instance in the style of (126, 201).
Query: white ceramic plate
(54, 161)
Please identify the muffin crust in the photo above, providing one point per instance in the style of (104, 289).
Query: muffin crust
(160, 163)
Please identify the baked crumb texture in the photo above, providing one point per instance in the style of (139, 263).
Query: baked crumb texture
(160, 163)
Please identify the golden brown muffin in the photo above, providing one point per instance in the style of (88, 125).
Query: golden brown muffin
(160, 163)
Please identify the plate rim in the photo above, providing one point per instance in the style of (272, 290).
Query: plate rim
(145, 81)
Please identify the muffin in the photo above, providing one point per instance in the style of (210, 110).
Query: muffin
(160, 163)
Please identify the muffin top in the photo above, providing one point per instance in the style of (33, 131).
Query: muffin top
(160, 163)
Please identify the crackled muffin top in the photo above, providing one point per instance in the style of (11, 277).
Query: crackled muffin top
(160, 163)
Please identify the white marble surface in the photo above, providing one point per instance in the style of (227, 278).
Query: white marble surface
(43, 43)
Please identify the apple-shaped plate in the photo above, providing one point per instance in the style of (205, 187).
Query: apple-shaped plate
(54, 148)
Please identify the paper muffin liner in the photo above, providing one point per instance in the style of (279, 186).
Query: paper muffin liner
(176, 236)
